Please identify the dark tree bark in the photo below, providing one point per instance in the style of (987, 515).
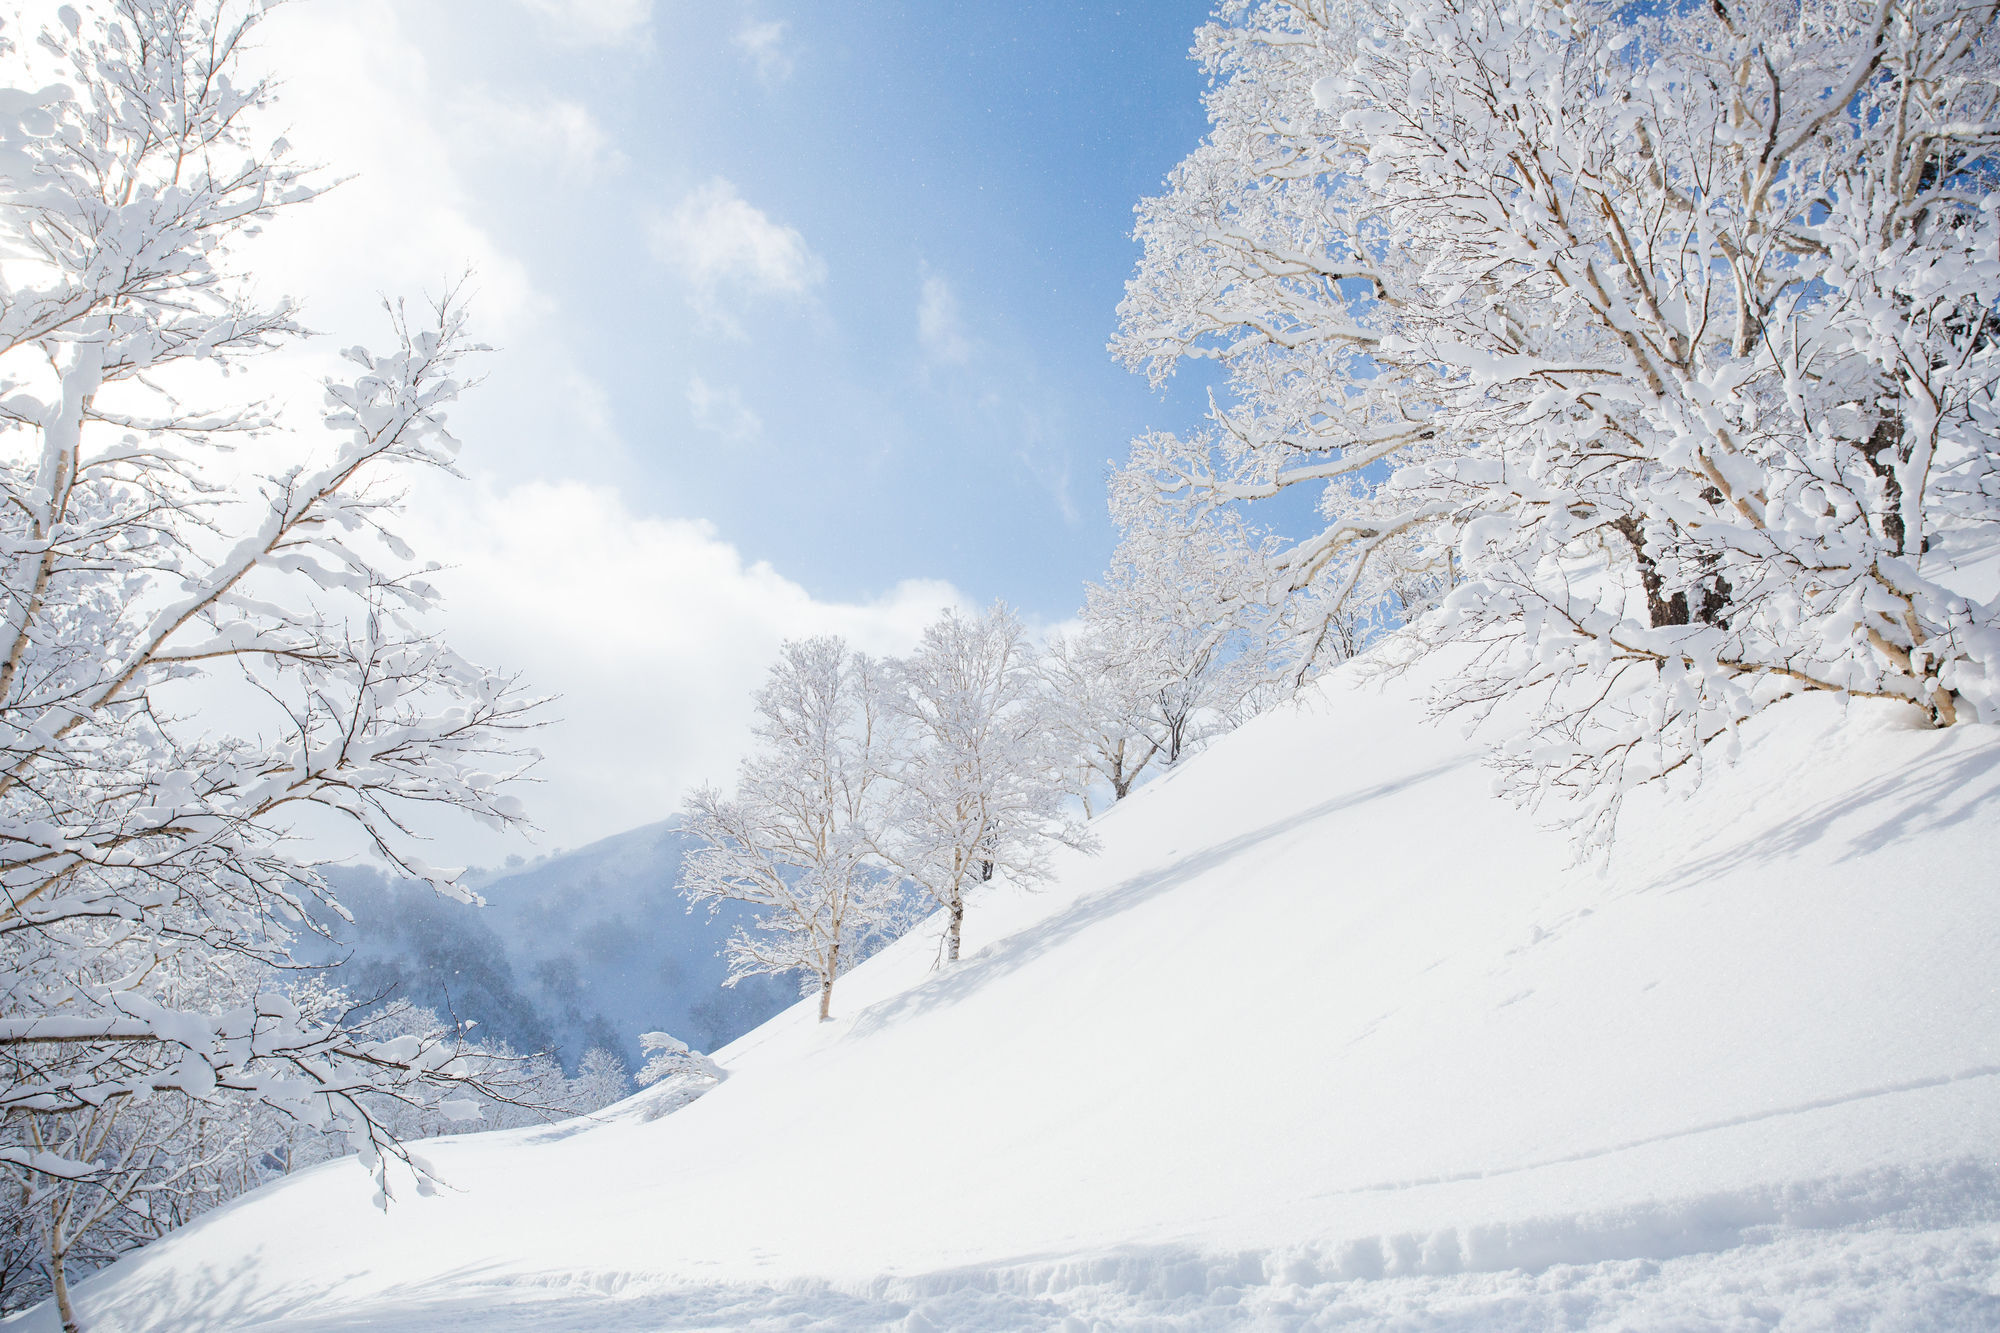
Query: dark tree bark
(1883, 451)
(1660, 611)
(1663, 609)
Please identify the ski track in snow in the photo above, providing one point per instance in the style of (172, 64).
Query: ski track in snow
(1325, 1037)
(1876, 1277)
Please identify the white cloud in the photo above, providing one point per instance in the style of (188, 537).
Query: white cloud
(940, 330)
(724, 247)
(362, 95)
(549, 131)
(595, 22)
(653, 631)
(763, 45)
(721, 411)
(359, 95)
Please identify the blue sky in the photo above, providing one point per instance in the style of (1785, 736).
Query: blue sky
(799, 315)
(993, 151)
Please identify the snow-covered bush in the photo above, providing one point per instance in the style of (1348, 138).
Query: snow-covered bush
(667, 1056)
(1674, 324)
(676, 1074)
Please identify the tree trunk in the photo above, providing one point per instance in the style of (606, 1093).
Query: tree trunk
(957, 925)
(1660, 611)
(1883, 451)
(826, 984)
(59, 1279)
(1715, 592)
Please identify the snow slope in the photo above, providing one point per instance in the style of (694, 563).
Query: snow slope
(1326, 1033)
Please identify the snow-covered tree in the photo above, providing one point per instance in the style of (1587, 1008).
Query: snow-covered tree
(797, 838)
(979, 776)
(1175, 645)
(1191, 644)
(600, 1081)
(1147, 677)
(188, 663)
(1095, 704)
(1678, 322)
(164, 1160)
(146, 1155)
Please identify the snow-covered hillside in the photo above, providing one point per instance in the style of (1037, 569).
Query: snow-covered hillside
(1324, 1032)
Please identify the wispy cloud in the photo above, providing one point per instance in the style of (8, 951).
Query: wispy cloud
(595, 22)
(661, 703)
(561, 134)
(763, 45)
(726, 247)
(1039, 451)
(721, 411)
(940, 329)
(1004, 383)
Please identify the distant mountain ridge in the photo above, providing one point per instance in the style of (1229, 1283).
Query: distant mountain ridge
(584, 948)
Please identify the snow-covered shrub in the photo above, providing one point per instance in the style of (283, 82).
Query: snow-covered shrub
(667, 1056)
(676, 1074)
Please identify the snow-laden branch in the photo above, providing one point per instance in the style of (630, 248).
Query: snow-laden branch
(148, 877)
(1681, 324)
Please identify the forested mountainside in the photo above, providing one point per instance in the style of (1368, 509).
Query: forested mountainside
(585, 948)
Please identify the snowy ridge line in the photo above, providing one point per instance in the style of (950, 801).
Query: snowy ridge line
(1732, 1122)
(649, 1104)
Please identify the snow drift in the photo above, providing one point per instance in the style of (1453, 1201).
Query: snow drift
(1325, 1031)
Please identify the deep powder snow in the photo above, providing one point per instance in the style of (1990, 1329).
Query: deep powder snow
(1325, 1034)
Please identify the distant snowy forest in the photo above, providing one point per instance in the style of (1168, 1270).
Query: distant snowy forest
(1638, 362)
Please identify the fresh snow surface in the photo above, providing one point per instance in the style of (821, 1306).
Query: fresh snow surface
(1325, 1034)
